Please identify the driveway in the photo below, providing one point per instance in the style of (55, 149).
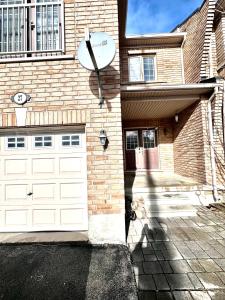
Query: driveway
(180, 258)
(66, 271)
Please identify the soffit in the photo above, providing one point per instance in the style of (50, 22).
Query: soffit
(153, 109)
(182, 90)
(167, 39)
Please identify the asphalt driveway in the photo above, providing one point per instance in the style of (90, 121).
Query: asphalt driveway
(66, 271)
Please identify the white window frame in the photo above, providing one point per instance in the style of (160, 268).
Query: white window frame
(141, 58)
(70, 140)
(137, 139)
(42, 147)
(15, 148)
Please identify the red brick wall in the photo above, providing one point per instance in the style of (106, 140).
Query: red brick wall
(168, 63)
(63, 92)
(194, 44)
(189, 143)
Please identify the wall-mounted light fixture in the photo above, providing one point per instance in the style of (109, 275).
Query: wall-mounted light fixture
(103, 138)
(176, 117)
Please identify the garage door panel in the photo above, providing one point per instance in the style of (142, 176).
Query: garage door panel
(72, 191)
(42, 166)
(44, 192)
(16, 192)
(15, 167)
(71, 166)
(72, 216)
(44, 217)
(16, 217)
(43, 188)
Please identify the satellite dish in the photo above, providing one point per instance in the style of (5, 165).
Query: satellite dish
(104, 50)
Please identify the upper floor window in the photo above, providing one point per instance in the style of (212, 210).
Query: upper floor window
(30, 27)
(142, 68)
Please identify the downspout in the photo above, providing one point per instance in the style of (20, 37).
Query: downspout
(182, 59)
(211, 142)
(223, 117)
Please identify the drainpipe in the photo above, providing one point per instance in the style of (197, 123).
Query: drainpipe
(223, 118)
(211, 142)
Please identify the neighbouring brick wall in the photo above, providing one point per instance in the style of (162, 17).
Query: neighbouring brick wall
(195, 27)
(189, 143)
(220, 41)
(63, 92)
(168, 63)
(212, 66)
(165, 139)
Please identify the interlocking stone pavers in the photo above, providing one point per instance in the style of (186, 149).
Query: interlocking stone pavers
(145, 282)
(195, 265)
(179, 282)
(150, 257)
(166, 267)
(185, 256)
(221, 275)
(213, 253)
(138, 268)
(209, 265)
(145, 295)
(161, 282)
(210, 280)
(217, 295)
(184, 295)
(180, 266)
(147, 248)
(152, 267)
(200, 295)
(195, 281)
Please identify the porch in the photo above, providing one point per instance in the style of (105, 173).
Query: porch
(165, 194)
(166, 158)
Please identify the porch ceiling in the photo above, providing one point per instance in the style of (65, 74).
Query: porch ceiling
(162, 101)
(153, 109)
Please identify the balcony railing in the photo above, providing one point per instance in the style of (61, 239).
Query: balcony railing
(31, 29)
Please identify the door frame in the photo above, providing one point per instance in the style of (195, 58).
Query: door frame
(124, 145)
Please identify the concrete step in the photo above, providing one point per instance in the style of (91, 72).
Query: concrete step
(172, 198)
(167, 204)
(166, 211)
(171, 214)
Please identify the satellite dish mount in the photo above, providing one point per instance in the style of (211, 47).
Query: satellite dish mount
(97, 71)
(96, 51)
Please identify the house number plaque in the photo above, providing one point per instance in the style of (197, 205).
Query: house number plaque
(20, 98)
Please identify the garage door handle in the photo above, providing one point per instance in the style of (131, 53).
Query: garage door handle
(29, 194)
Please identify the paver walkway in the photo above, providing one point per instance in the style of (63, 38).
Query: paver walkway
(179, 258)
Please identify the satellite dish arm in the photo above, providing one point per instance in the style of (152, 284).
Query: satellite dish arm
(90, 50)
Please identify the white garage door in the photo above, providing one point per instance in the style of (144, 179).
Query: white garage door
(43, 182)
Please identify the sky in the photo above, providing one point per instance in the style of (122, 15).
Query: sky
(158, 16)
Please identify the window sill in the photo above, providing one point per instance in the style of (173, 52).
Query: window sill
(37, 58)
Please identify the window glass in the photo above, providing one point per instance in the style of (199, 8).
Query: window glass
(135, 68)
(149, 72)
(15, 142)
(43, 141)
(71, 140)
(141, 68)
(131, 140)
(149, 138)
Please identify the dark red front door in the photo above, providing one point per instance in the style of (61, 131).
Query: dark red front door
(141, 149)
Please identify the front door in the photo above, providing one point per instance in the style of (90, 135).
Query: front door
(141, 149)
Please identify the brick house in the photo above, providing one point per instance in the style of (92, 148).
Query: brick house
(55, 174)
(172, 95)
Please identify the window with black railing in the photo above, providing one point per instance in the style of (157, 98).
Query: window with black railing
(31, 28)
